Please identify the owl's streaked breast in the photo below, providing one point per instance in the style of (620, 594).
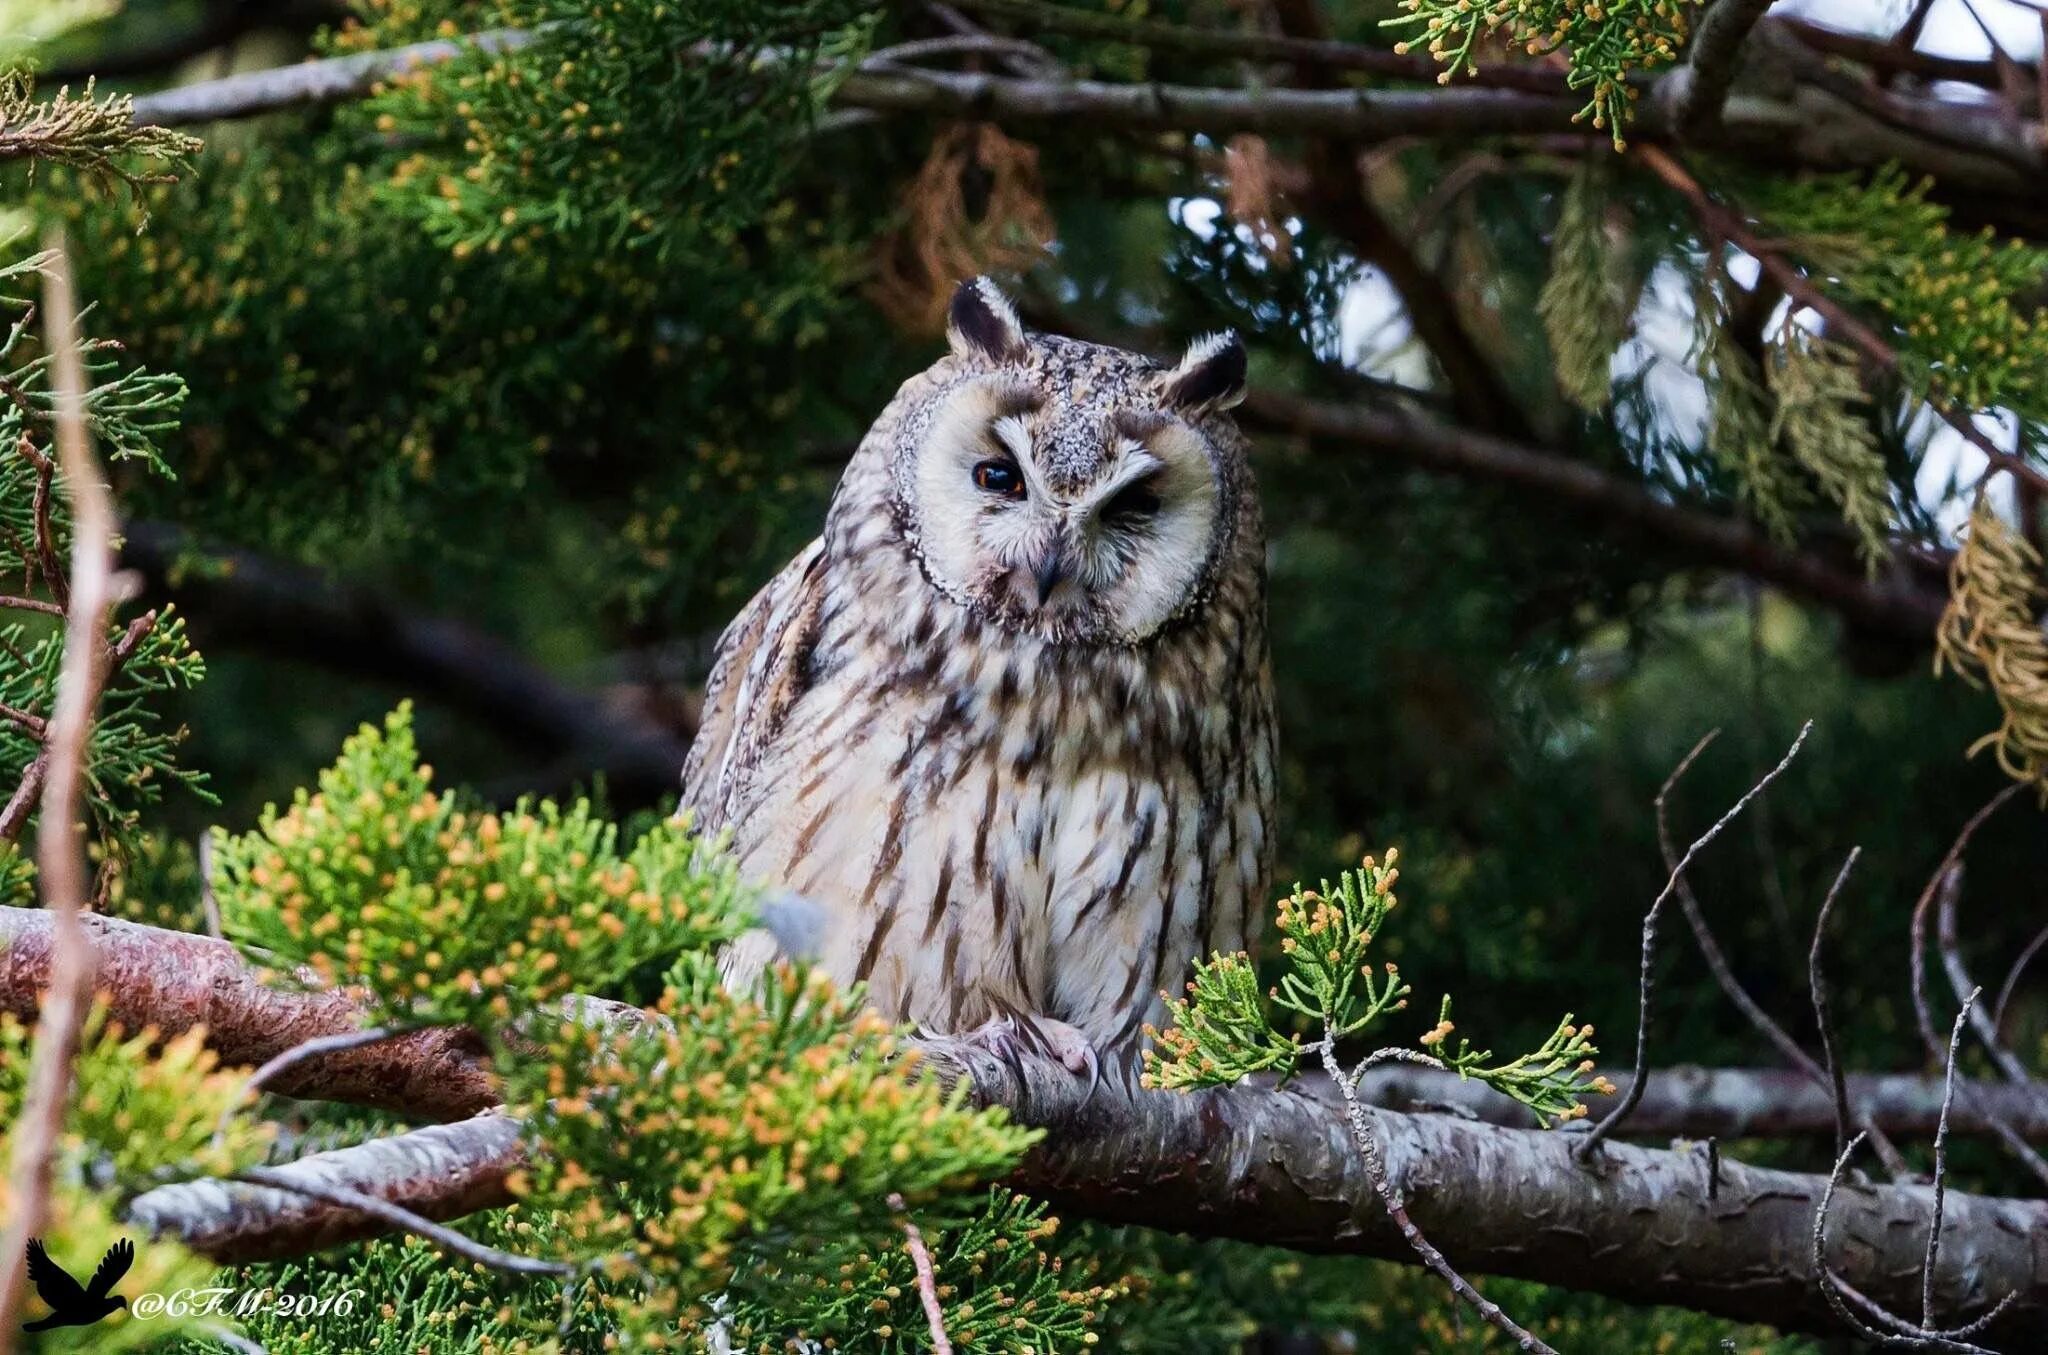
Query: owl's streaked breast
(992, 820)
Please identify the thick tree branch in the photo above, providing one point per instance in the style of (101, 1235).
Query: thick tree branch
(1891, 606)
(1278, 1166)
(175, 980)
(1699, 89)
(1809, 127)
(238, 598)
(442, 1172)
(1249, 1161)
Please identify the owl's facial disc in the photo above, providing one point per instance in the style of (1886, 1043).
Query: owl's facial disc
(1082, 525)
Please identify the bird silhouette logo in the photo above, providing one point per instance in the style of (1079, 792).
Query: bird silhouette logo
(73, 1304)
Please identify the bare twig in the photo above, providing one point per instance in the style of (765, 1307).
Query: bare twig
(1830, 1286)
(1946, 942)
(1717, 964)
(1946, 877)
(1359, 1118)
(27, 721)
(404, 1220)
(1817, 980)
(927, 1281)
(1647, 978)
(2012, 977)
(1948, 1097)
(60, 854)
(1892, 1330)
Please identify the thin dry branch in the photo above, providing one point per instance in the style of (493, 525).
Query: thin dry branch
(65, 877)
(1647, 978)
(1947, 876)
(1950, 946)
(1823, 1017)
(1360, 1120)
(2012, 977)
(375, 1207)
(1872, 1116)
(927, 1279)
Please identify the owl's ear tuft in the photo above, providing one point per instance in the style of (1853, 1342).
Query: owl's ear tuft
(982, 323)
(1210, 377)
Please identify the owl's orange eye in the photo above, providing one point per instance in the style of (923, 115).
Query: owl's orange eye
(1000, 477)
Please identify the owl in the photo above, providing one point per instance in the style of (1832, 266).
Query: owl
(1009, 721)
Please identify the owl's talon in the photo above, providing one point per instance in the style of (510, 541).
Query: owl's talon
(1007, 1037)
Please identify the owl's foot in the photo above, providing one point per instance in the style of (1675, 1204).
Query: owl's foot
(1006, 1036)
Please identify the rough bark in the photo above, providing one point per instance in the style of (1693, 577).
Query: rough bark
(1278, 1167)
(1643, 1225)
(174, 981)
(441, 1172)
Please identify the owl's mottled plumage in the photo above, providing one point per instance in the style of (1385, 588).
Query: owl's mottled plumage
(1017, 741)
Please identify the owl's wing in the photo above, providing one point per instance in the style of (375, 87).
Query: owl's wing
(758, 672)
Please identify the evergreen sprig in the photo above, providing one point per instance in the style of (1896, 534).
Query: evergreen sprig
(129, 411)
(1956, 302)
(1738, 432)
(1549, 1080)
(1001, 1280)
(1586, 303)
(1603, 42)
(1822, 418)
(732, 1144)
(451, 914)
(143, 1110)
(98, 135)
(625, 126)
(1992, 634)
(1220, 1033)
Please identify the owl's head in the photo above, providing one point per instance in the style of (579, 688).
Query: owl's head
(1076, 492)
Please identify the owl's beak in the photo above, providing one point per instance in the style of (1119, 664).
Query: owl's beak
(1047, 571)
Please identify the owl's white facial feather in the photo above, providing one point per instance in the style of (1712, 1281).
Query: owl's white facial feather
(1119, 573)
